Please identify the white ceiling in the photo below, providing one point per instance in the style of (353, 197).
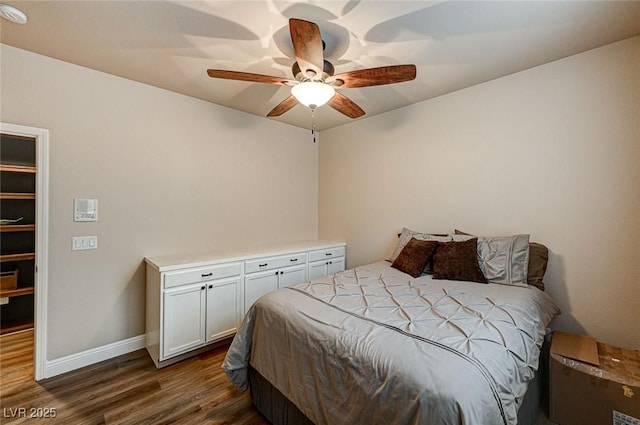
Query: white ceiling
(171, 44)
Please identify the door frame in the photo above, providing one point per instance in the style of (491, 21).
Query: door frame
(41, 135)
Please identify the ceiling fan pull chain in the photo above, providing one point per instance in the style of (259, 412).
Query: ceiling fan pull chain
(313, 125)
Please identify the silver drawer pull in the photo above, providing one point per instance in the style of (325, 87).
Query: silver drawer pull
(207, 275)
(263, 265)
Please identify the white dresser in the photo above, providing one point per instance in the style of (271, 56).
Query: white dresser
(195, 300)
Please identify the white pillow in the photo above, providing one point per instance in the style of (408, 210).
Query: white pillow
(406, 236)
(503, 260)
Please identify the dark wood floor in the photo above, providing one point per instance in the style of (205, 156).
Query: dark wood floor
(124, 390)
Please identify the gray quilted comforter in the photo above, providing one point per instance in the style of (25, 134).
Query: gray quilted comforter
(372, 345)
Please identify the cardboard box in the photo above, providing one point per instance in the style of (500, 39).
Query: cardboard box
(592, 383)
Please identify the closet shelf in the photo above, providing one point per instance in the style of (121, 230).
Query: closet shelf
(10, 195)
(18, 257)
(18, 168)
(4, 293)
(16, 328)
(17, 228)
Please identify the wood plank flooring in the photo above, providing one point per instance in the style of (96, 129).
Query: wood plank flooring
(125, 390)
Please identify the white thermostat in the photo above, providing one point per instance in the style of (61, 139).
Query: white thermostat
(85, 210)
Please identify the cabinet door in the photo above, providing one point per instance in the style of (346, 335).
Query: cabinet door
(223, 308)
(258, 284)
(292, 275)
(336, 265)
(317, 269)
(184, 319)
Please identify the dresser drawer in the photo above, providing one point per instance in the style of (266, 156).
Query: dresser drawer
(324, 254)
(201, 274)
(270, 263)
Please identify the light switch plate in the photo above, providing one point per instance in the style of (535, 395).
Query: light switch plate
(80, 243)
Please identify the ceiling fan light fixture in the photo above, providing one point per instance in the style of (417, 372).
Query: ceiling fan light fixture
(312, 94)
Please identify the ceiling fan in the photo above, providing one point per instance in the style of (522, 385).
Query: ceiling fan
(314, 82)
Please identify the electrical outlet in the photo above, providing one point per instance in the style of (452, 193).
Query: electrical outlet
(4, 301)
(80, 243)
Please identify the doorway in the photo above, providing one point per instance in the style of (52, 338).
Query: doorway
(24, 192)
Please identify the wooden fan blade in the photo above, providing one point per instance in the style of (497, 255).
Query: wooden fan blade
(373, 76)
(283, 107)
(346, 106)
(247, 76)
(307, 45)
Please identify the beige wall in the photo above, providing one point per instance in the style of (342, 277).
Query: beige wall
(172, 174)
(553, 151)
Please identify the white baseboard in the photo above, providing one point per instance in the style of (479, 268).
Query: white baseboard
(94, 355)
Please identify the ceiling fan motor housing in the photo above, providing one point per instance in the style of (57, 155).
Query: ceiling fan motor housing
(327, 71)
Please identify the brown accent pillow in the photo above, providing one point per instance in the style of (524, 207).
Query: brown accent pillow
(538, 258)
(458, 261)
(414, 256)
(406, 236)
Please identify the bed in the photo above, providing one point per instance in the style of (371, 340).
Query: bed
(374, 345)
